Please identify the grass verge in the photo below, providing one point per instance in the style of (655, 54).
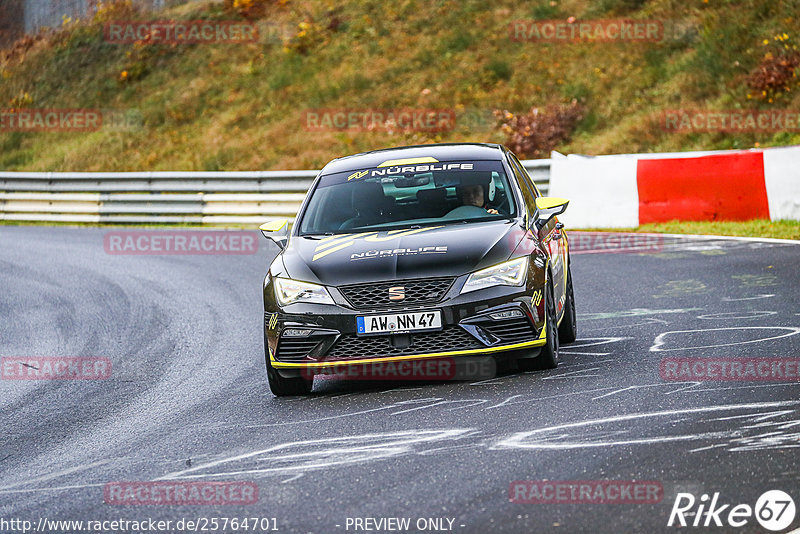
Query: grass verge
(783, 229)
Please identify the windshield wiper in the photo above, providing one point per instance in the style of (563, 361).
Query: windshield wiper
(317, 236)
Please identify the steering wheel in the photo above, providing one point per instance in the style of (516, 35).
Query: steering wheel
(466, 212)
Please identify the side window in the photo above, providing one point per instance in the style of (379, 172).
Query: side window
(526, 177)
(524, 186)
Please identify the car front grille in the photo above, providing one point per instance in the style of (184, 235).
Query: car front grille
(514, 330)
(451, 338)
(376, 296)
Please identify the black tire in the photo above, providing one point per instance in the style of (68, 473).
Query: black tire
(280, 386)
(548, 357)
(568, 330)
(283, 387)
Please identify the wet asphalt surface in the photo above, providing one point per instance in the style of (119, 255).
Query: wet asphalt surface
(187, 397)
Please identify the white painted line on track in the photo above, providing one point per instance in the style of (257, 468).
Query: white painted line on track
(728, 299)
(518, 440)
(53, 488)
(726, 237)
(570, 373)
(57, 474)
(659, 340)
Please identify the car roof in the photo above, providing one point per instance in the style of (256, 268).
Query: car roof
(440, 151)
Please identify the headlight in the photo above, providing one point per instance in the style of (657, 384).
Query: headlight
(290, 291)
(510, 273)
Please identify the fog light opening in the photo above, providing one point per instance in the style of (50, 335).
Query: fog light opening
(508, 314)
(296, 332)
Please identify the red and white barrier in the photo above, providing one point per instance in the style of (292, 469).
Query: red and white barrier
(631, 189)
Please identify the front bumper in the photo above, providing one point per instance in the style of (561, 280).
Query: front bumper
(327, 333)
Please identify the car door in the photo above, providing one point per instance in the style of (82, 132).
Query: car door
(550, 235)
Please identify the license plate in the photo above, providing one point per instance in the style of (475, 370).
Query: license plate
(399, 322)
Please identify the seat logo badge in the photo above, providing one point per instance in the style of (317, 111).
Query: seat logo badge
(397, 293)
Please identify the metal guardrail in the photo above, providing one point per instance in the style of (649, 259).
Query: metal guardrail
(212, 198)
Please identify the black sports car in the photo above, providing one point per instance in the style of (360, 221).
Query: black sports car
(414, 253)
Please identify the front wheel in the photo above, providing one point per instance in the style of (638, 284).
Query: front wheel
(548, 357)
(279, 385)
(283, 387)
(568, 331)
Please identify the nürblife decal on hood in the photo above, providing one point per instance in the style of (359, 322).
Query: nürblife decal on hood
(338, 242)
(385, 253)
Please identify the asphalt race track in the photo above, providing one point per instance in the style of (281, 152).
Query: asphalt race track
(187, 397)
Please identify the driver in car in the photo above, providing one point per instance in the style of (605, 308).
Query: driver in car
(472, 195)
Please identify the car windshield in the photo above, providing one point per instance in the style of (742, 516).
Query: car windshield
(396, 196)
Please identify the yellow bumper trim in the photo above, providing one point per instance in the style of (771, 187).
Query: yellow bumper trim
(328, 363)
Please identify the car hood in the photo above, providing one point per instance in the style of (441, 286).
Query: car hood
(450, 250)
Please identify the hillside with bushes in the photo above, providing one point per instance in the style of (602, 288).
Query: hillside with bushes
(245, 106)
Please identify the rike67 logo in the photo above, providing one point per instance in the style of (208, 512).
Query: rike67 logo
(774, 510)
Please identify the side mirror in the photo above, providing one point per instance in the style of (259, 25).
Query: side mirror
(549, 207)
(277, 231)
